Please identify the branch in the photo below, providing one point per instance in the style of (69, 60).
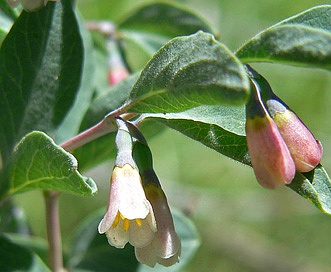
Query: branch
(107, 125)
(53, 231)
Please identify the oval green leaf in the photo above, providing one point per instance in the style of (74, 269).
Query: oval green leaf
(303, 39)
(188, 72)
(149, 27)
(164, 19)
(38, 163)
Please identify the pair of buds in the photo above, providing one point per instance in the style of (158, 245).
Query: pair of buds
(279, 143)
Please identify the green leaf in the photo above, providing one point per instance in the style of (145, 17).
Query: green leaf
(38, 163)
(14, 257)
(314, 186)
(150, 26)
(188, 72)
(91, 251)
(165, 19)
(190, 241)
(70, 125)
(221, 128)
(303, 40)
(40, 71)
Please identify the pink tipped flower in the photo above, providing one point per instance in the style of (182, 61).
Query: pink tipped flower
(271, 159)
(29, 5)
(130, 216)
(305, 150)
(117, 70)
(165, 248)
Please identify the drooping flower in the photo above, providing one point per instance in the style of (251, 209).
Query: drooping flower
(165, 247)
(129, 217)
(29, 5)
(271, 159)
(306, 151)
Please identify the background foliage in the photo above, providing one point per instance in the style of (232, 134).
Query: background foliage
(269, 230)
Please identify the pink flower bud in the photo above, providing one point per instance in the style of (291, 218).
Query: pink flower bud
(305, 150)
(117, 70)
(271, 159)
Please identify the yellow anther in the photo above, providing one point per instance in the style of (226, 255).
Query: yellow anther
(138, 222)
(126, 224)
(116, 220)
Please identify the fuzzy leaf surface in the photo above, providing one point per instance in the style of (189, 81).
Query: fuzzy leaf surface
(40, 71)
(303, 40)
(188, 72)
(38, 163)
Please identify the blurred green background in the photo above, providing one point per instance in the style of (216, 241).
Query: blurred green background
(243, 227)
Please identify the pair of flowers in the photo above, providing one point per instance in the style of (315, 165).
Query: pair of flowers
(279, 143)
(138, 211)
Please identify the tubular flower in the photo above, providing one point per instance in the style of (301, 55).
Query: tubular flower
(165, 248)
(130, 216)
(117, 70)
(29, 5)
(306, 151)
(271, 159)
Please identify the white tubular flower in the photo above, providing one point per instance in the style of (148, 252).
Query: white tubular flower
(165, 248)
(29, 5)
(130, 216)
